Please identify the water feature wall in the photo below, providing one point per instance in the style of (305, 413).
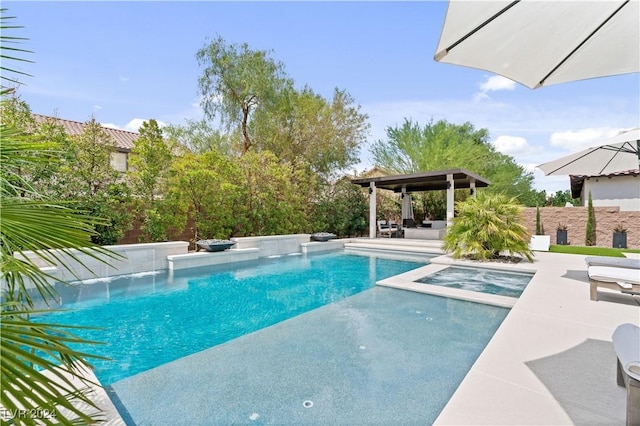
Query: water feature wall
(128, 259)
(136, 258)
(273, 245)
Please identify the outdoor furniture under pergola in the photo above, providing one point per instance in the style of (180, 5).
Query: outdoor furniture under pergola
(448, 180)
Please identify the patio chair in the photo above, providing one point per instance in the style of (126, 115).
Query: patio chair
(384, 230)
(626, 280)
(395, 229)
(626, 343)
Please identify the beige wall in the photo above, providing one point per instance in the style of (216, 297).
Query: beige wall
(576, 220)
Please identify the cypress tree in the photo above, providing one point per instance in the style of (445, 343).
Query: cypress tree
(590, 239)
(539, 229)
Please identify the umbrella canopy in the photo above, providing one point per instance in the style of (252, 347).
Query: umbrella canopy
(618, 154)
(538, 43)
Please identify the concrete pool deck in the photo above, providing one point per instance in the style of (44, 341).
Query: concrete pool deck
(551, 361)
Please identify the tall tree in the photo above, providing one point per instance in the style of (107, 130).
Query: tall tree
(306, 128)
(235, 82)
(199, 136)
(442, 145)
(87, 177)
(150, 161)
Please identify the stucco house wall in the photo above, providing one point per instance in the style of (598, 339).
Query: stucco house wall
(606, 191)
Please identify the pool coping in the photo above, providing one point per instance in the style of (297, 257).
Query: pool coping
(407, 281)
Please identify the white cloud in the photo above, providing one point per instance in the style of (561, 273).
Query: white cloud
(97, 107)
(134, 125)
(512, 145)
(111, 126)
(123, 78)
(574, 141)
(493, 84)
(497, 82)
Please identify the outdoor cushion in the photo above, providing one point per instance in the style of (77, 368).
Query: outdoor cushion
(613, 274)
(612, 261)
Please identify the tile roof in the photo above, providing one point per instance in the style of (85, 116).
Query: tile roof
(124, 139)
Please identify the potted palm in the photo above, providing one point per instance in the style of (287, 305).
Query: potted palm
(561, 234)
(619, 236)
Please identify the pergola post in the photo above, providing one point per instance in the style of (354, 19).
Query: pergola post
(373, 225)
(472, 186)
(450, 189)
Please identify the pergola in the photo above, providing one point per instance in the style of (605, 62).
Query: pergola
(419, 182)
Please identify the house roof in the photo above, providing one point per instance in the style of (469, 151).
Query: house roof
(123, 139)
(425, 181)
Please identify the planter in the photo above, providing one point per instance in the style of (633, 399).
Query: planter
(540, 242)
(561, 237)
(620, 239)
(322, 236)
(215, 245)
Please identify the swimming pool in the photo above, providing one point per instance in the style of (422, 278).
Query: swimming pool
(483, 280)
(153, 319)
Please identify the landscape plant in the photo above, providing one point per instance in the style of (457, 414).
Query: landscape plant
(340, 209)
(590, 237)
(486, 227)
(30, 222)
(149, 164)
(204, 189)
(539, 225)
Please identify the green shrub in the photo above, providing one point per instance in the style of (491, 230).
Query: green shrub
(487, 225)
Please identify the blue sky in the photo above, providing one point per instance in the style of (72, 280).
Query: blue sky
(125, 62)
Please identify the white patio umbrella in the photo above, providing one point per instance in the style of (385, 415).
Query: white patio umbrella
(539, 43)
(617, 154)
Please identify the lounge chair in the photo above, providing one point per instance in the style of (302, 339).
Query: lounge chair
(618, 262)
(626, 280)
(626, 343)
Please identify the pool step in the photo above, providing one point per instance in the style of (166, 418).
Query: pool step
(390, 244)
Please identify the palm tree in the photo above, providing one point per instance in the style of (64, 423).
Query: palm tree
(28, 222)
(486, 226)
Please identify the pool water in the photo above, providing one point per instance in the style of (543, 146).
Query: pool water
(380, 357)
(482, 280)
(153, 319)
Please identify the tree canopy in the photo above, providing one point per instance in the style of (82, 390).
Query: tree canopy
(442, 145)
(249, 94)
(236, 81)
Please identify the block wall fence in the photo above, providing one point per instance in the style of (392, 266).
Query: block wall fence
(607, 218)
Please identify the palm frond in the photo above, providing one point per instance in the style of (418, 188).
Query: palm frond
(27, 350)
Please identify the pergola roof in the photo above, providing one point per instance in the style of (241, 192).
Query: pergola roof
(425, 181)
